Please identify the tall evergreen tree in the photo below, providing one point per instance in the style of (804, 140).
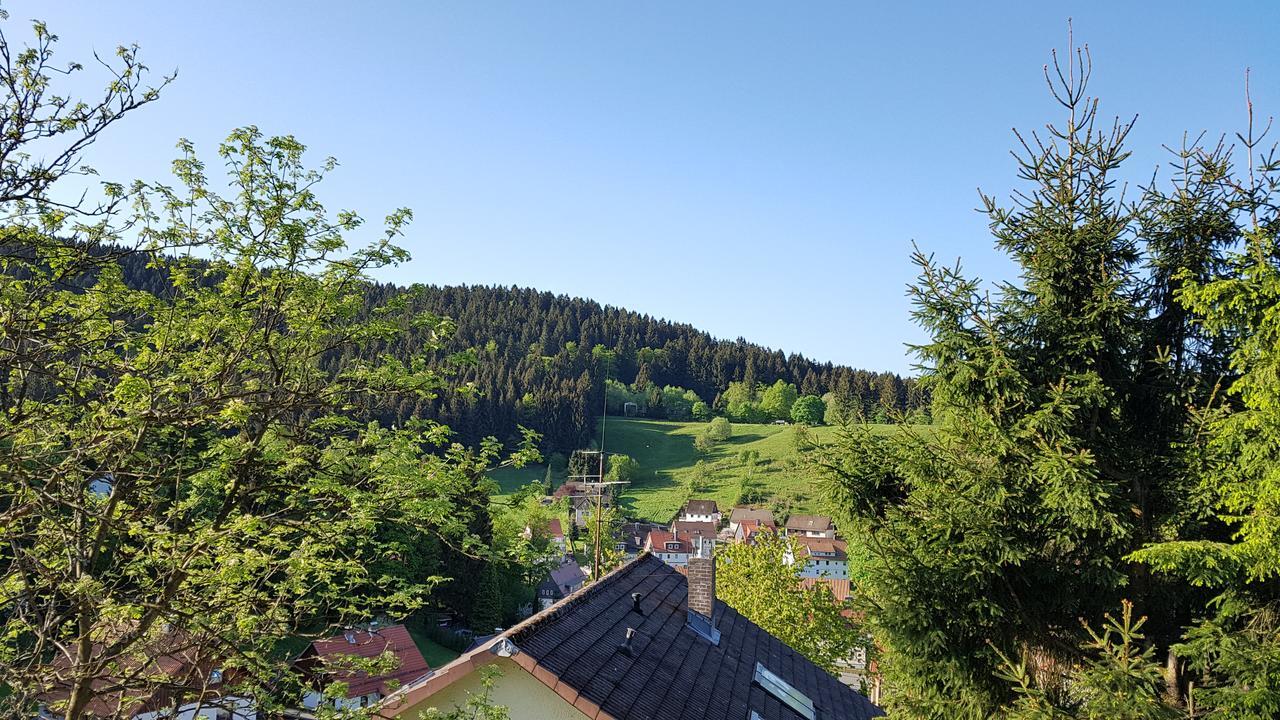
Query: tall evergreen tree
(993, 536)
(1233, 650)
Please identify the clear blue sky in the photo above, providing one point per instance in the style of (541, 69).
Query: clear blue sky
(757, 170)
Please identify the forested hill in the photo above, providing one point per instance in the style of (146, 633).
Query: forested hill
(539, 360)
(540, 356)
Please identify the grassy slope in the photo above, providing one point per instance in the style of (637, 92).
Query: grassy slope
(666, 456)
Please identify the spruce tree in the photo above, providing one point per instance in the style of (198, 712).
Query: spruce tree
(487, 612)
(995, 533)
(1233, 649)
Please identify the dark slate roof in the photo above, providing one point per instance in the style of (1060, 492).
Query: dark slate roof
(673, 672)
(634, 534)
(562, 580)
(701, 507)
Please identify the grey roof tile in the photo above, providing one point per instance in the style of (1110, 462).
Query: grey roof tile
(672, 672)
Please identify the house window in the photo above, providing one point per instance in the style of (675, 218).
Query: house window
(784, 692)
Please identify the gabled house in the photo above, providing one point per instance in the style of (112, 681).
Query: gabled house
(555, 534)
(855, 671)
(561, 582)
(671, 548)
(695, 530)
(742, 513)
(634, 536)
(700, 511)
(645, 641)
(747, 531)
(824, 558)
(814, 526)
(330, 660)
(583, 498)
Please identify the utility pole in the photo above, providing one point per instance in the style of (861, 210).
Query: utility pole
(604, 423)
(601, 488)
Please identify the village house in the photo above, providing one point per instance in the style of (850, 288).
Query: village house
(814, 526)
(671, 548)
(633, 536)
(555, 535)
(696, 530)
(700, 511)
(855, 670)
(561, 582)
(760, 516)
(747, 531)
(330, 660)
(645, 641)
(583, 498)
(824, 558)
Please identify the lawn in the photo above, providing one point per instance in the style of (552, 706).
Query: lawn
(667, 457)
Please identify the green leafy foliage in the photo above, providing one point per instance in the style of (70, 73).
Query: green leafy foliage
(777, 399)
(719, 429)
(808, 410)
(1233, 648)
(179, 472)
(622, 468)
(478, 706)
(762, 581)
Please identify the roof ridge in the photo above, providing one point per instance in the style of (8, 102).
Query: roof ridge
(575, 598)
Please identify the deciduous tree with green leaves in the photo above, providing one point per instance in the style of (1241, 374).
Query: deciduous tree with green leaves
(177, 470)
(777, 399)
(719, 429)
(762, 581)
(808, 410)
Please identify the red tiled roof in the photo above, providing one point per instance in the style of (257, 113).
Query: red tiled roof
(393, 638)
(751, 528)
(658, 540)
(839, 588)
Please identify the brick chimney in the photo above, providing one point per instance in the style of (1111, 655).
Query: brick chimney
(702, 579)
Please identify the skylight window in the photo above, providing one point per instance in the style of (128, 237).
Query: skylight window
(784, 692)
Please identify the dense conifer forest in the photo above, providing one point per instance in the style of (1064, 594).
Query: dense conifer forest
(535, 359)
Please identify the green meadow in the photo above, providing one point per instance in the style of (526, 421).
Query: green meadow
(667, 457)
